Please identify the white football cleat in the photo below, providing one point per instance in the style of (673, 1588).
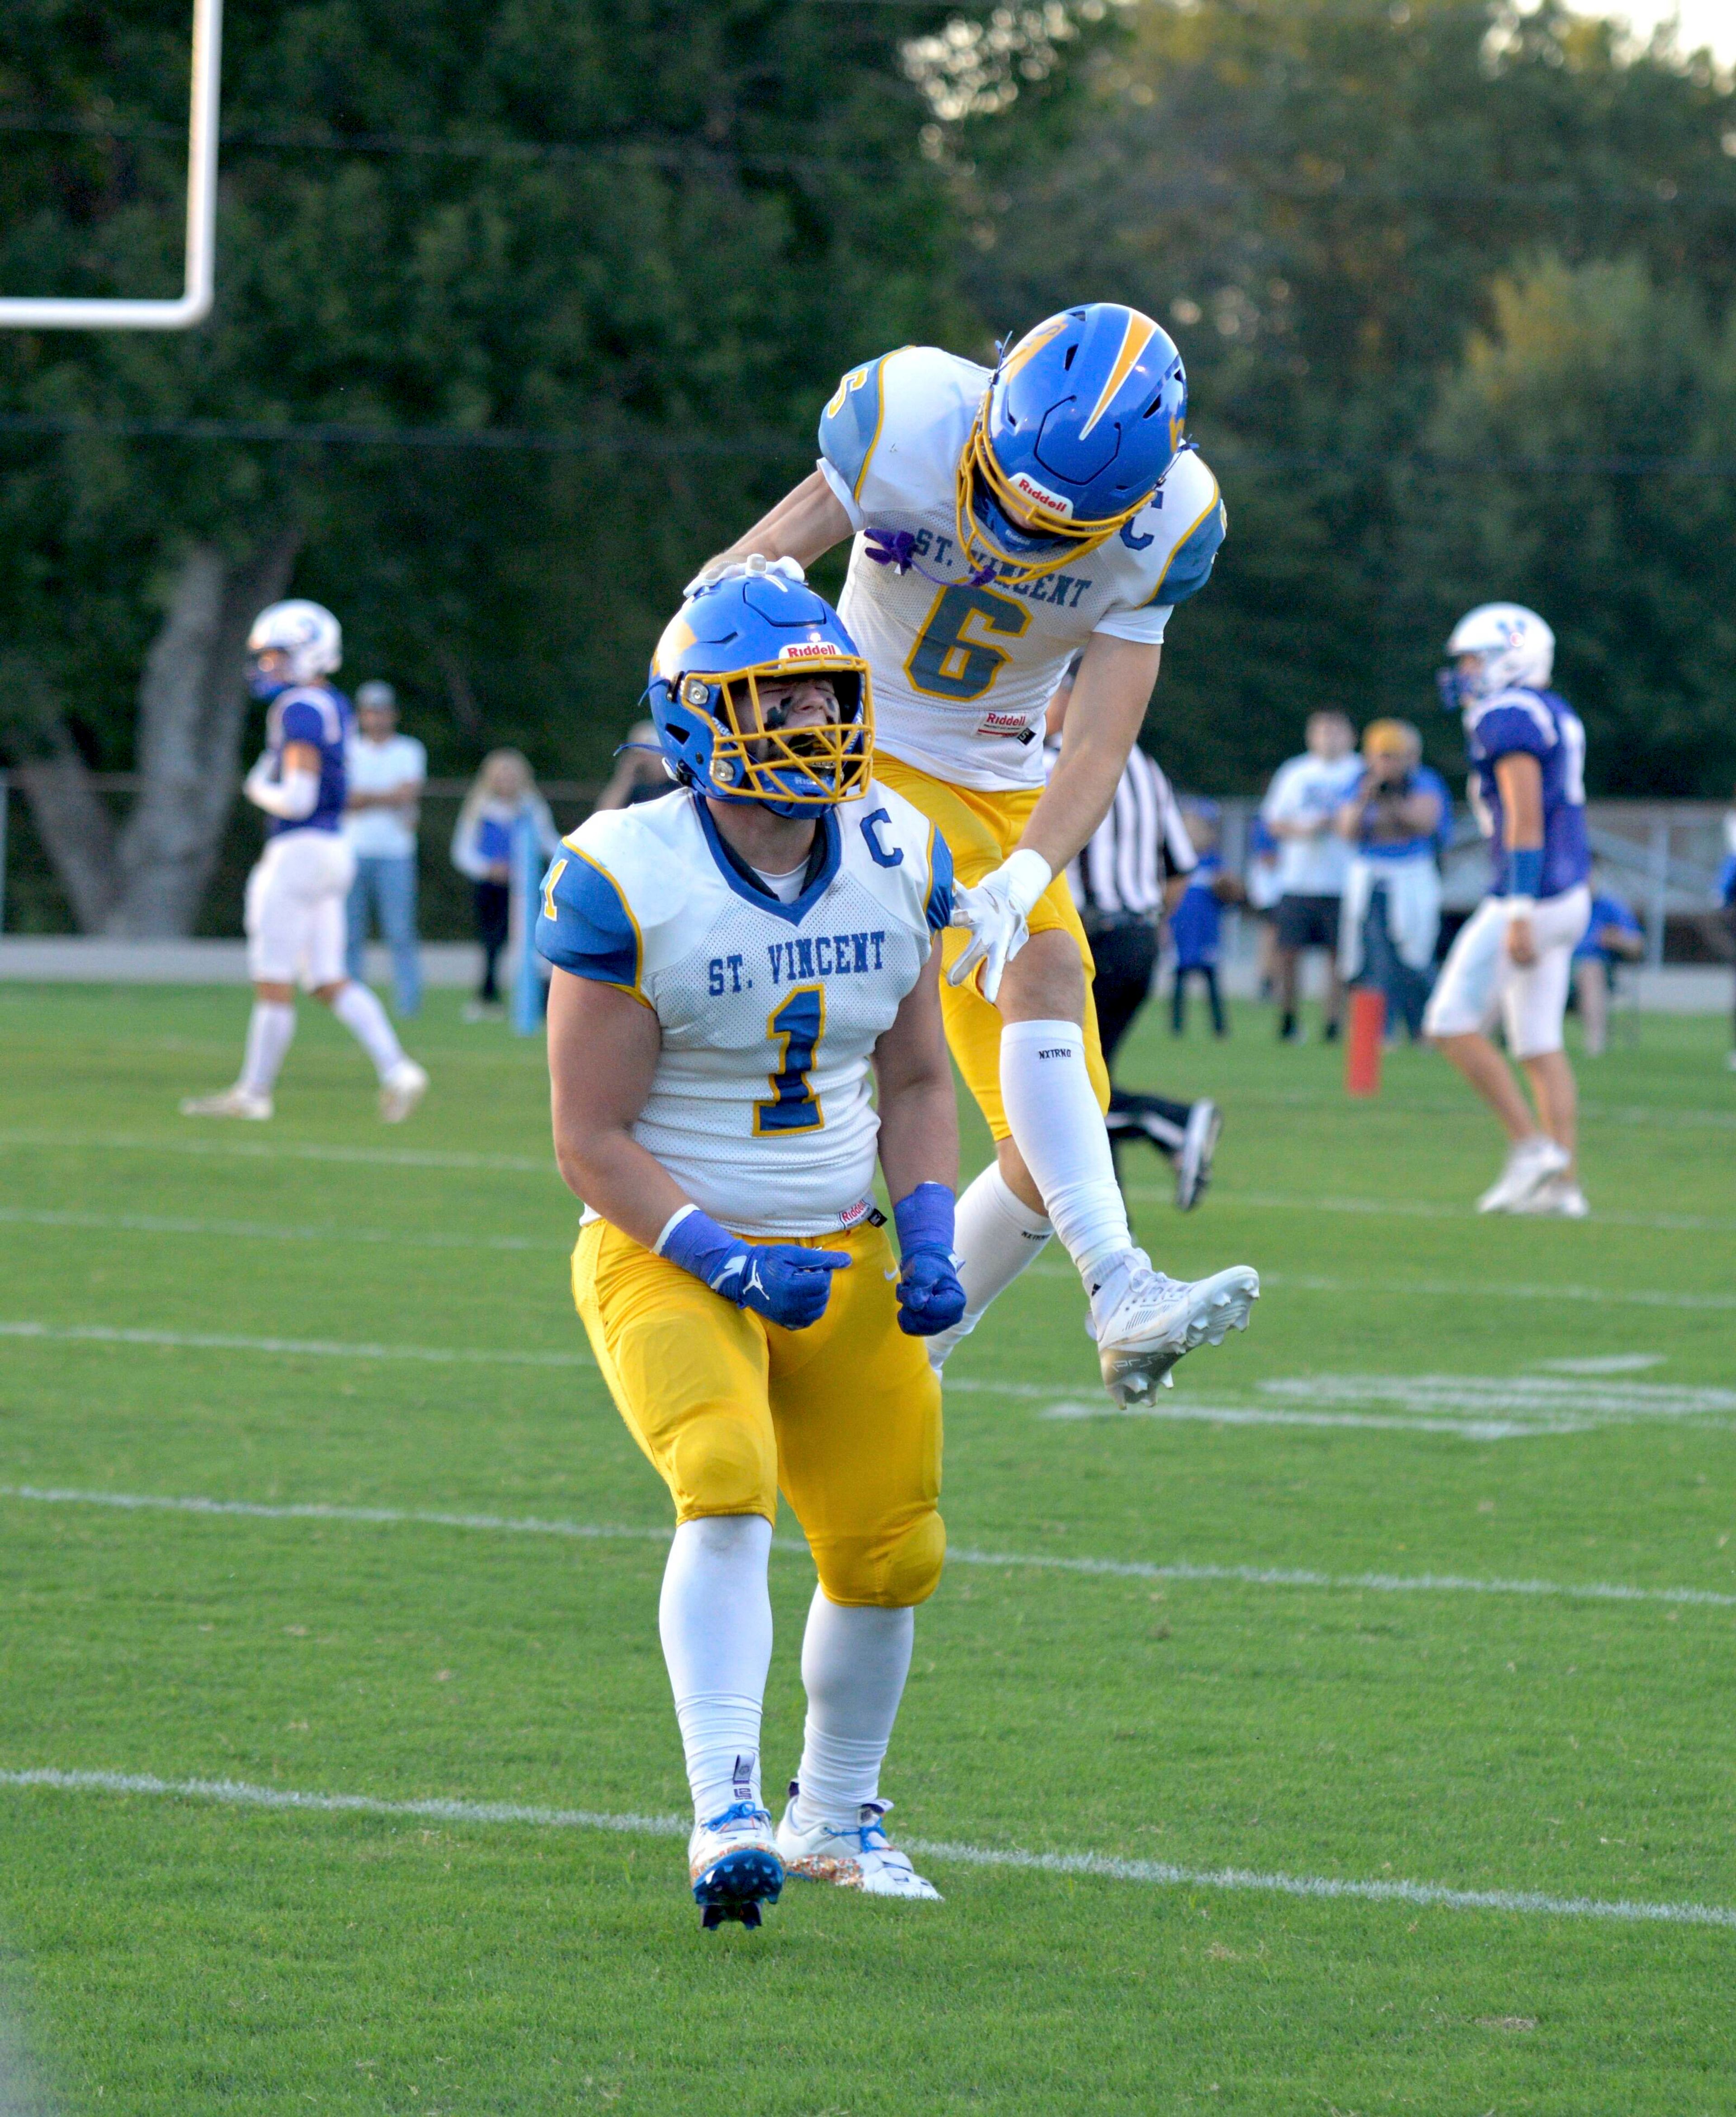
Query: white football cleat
(854, 1856)
(400, 1090)
(1144, 1322)
(237, 1102)
(1194, 1164)
(1531, 1163)
(733, 1864)
(1560, 1198)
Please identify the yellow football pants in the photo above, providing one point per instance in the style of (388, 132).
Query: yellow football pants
(981, 830)
(844, 1417)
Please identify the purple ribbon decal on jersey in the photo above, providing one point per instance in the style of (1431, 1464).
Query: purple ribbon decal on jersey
(896, 548)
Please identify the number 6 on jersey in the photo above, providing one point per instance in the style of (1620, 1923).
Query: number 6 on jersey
(798, 1023)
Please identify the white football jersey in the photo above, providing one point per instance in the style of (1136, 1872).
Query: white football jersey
(962, 674)
(760, 1107)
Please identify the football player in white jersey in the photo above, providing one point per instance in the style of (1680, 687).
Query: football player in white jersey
(1002, 523)
(731, 963)
(296, 893)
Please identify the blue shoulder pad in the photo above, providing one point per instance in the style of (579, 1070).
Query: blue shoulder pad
(301, 721)
(584, 925)
(1191, 563)
(849, 425)
(938, 909)
(1511, 721)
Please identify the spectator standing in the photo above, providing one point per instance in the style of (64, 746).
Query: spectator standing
(1394, 822)
(1612, 935)
(1262, 890)
(1196, 920)
(1133, 863)
(1300, 805)
(385, 774)
(502, 790)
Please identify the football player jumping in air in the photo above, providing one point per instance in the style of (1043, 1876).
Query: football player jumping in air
(1514, 955)
(730, 963)
(1002, 522)
(295, 919)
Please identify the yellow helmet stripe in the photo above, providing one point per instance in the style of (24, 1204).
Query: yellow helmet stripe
(1134, 338)
(1030, 345)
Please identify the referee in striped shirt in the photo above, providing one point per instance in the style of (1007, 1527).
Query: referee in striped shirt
(1138, 859)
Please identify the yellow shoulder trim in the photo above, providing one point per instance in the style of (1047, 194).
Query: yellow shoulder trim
(1157, 593)
(638, 937)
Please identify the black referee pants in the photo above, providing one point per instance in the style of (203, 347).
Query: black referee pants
(1125, 956)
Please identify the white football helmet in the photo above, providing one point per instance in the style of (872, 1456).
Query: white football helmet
(306, 634)
(1514, 645)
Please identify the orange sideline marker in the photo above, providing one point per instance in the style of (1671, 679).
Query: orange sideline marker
(1362, 1049)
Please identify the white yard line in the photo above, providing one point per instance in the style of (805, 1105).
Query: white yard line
(1633, 1296)
(205, 1341)
(235, 1793)
(1427, 1209)
(265, 1231)
(1122, 1569)
(262, 1150)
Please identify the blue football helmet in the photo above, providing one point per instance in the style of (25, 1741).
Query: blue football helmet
(757, 626)
(1077, 430)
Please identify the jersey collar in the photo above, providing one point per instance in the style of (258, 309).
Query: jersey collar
(822, 864)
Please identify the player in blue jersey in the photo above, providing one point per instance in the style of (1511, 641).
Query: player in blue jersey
(296, 921)
(1514, 955)
(734, 965)
(1005, 521)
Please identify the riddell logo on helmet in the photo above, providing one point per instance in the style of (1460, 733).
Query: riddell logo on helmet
(1027, 488)
(808, 650)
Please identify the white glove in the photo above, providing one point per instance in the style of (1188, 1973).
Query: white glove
(291, 799)
(995, 912)
(756, 562)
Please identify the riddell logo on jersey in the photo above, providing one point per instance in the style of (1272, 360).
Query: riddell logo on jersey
(808, 650)
(1027, 488)
(1002, 724)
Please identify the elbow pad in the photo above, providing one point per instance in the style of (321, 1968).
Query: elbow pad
(292, 799)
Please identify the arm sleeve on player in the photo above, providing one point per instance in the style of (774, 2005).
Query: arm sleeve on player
(1189, 565)
(302, 721)
(938, 908)
(849, 427)
(586, 925)
(842, 493)
(1509, 724)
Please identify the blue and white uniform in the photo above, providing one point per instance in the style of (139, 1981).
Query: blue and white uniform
(963, 672)
(760, 1106)
(295, 922)
(319, 716)
(1479, 976)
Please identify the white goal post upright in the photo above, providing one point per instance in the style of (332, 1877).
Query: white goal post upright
(49, 312)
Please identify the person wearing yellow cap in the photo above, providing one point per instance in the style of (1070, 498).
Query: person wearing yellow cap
(1396, 819)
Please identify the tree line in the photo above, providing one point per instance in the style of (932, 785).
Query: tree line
(525, 305)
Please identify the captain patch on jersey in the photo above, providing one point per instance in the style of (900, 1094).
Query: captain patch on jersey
(964, 667)
(769, 1011)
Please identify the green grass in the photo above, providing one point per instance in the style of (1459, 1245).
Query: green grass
(171, 1955)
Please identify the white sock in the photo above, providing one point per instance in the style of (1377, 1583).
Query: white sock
(1052, 1108)
(995, 1235)
(715, 1619)
(270, 1029)
(854, 1666)
(366, 1020)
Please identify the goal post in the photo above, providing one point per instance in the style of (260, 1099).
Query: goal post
(51, 312)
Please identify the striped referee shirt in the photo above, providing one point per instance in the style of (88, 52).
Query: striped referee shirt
(1120, 872)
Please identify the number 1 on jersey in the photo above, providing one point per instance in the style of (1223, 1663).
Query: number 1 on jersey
(798, 1023)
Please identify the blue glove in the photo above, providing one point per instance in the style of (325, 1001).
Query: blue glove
(930, 1297)
(785, 1282)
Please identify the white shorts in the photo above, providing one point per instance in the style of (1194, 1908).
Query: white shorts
(296, 925)
(1479, 977)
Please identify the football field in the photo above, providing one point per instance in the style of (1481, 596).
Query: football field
(1355, 1735)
